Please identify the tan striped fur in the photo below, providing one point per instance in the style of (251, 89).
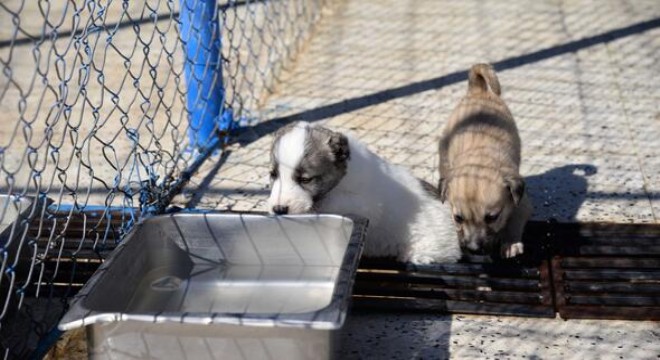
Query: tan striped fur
(479, 168)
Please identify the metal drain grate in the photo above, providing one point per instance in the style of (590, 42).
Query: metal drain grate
(478, 284)
(608, 271)
(457, 288)
(56, 259)
(78, 246)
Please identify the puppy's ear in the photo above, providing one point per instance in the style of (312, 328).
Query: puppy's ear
(442, 189)
(516, 186)
(338, 143)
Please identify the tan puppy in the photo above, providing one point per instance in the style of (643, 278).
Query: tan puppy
(479, 169)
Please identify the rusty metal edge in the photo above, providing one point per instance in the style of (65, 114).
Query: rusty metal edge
(558, 285)
(647, 313)
(435, 306)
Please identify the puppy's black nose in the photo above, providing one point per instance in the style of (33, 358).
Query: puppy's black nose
(280, 209)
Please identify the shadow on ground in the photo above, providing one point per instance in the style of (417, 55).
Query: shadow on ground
(371, 335)
(252, 133)
(557, 194)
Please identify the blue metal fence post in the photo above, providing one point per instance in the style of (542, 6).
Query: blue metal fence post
(202, 42)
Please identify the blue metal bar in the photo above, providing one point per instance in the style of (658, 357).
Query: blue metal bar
(200, 34)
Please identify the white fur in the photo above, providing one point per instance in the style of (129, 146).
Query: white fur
(404, 220)
(289, 152)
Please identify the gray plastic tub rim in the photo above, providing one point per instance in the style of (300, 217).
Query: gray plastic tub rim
(330, 317)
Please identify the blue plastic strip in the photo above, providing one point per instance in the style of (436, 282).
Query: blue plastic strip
(200, 33)
(46, 344)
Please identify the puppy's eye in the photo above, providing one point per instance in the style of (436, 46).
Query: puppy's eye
(459, 219)
(491, 218)
(305, 180)
(273, 174)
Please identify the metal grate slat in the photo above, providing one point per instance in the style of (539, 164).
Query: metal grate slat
(548, 280)
(607, 271)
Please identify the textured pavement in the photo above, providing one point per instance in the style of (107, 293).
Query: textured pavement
(413, 336)
(578, 77)
(581, 78)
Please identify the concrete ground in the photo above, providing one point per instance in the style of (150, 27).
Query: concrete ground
(578, 77)
(414, 336)
(581, 78)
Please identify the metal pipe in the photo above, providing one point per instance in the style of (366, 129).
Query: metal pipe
(202, 43)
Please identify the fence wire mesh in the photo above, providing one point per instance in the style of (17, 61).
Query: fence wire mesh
(95, 127)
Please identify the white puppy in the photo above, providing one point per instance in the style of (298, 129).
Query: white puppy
(315, 169)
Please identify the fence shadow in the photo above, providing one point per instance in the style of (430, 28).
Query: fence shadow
(206, 183)
(250, 134)
(370, 335)
(558, 194)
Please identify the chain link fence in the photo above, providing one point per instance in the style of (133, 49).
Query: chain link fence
(106, 109)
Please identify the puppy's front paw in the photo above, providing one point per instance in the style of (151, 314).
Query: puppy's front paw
(422, 260)
(512, 250)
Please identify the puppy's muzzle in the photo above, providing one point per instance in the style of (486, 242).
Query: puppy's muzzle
(280, 209)
(478, 246)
